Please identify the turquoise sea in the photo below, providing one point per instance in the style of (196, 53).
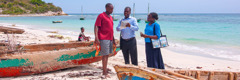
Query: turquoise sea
(210, 35)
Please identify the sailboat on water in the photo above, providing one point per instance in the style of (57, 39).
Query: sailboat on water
(82, 17)
(138, 20)
(148, 13)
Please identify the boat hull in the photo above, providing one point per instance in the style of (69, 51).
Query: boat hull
(47, 61)
(129, 72)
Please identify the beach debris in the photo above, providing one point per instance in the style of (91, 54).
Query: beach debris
(82, 74)
(13, 24)
(229, 67)
(56, 36)
(198, 67)
(52, 32)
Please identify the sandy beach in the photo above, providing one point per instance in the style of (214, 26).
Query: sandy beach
(172, 60)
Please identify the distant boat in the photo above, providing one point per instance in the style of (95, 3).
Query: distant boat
(147, 14)
(82, 17)
(138, 20)
(56, 21)
(114, 19)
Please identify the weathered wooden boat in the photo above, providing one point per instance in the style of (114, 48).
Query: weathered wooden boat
(127, 72)
(56, 21)
(40, 58)
(210, 75)
(8, 30)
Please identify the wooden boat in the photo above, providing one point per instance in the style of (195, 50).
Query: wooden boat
(82, 17)
(138, 20)
(8, 30)
(140, 73)
(40, 58)
(210, 75)
(125, 72)
(56, 21)
(115, 19)
(146, 21)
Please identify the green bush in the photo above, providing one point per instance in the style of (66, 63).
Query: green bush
(37, 2)
(9, 5)
(2, 5)
(14, 10)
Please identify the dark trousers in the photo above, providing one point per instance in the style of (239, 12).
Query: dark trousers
(154, 57)
(129, 48)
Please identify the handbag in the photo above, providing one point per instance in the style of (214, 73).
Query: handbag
(161, 42)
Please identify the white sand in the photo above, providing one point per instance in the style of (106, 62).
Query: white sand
(172, 60)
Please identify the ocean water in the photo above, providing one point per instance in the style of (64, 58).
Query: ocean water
(209, 35)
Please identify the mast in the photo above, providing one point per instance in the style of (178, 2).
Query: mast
(82, 11)
(148, 8)
(133, 9)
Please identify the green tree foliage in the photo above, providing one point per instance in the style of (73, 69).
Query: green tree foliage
(37, 2)
(26, 7)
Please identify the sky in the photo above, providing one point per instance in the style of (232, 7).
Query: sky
(159, 6)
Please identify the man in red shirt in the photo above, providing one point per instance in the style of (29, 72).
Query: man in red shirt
(104, 35)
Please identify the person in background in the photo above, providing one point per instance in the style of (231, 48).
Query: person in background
(104, 35)
(152, 31)
(128, 41)
(82, 36)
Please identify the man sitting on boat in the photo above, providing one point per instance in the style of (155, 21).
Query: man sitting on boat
(82, 37)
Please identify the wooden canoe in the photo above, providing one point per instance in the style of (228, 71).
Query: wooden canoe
(8, 30)
(34, 59)
(210, 75)
(129, 72)
(147, 73)
(56, 21)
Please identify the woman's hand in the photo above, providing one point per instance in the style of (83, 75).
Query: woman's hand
(143, 35)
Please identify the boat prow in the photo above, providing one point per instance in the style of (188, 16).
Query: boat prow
(41, 58)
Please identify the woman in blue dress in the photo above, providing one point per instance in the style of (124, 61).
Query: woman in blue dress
(152, 31)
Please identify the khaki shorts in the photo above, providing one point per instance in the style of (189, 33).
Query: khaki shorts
(106, 47)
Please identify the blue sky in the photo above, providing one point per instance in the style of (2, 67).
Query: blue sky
(159, 6)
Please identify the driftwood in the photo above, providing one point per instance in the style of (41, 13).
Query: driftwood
(8, 30)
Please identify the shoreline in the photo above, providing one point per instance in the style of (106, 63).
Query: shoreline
(49, 13)
(172, 60)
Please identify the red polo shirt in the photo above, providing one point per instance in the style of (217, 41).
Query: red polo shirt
(105, 29)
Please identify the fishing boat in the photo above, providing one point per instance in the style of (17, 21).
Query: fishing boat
(56, 21)
(147, 14)
(128, 72)
(41, 58)
(8, 30)
(82, 17)
(138, 20)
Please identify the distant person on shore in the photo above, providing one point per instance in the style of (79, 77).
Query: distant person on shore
(82, 36)
(152, 31)
(128, 42)
(104, 35)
